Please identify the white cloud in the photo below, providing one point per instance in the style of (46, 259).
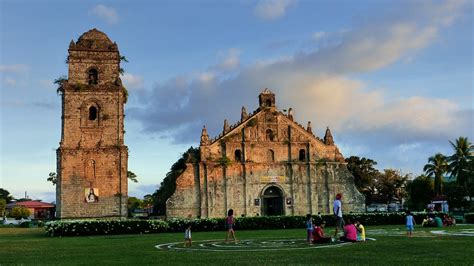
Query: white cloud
(17, 68)
(272, 9)
(10, 82)
(132, 81)
(230, 60)
(317, 36)
(109, 14)
(321, 84)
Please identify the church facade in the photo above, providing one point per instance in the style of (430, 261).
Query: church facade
(92, 157)
(266, 164)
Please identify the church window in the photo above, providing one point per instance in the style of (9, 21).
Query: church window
(302, 156)
(93, 76)
(270, 135)
(238, 155)
(92, 113)
(271, 155)
(269, 103)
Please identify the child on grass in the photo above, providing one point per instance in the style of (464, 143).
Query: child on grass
(187, 237)
(309, 228)
(360, 228)
(410, 222)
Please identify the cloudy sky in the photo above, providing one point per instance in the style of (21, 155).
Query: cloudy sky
(392, 79)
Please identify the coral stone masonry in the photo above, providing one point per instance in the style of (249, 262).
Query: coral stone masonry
(92, 157)
(266, 164)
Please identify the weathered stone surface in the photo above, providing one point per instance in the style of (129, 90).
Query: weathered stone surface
(92, 153)
(267, 151)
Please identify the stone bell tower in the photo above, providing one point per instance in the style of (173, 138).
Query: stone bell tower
(92, 157)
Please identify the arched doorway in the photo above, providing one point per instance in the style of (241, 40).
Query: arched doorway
(272, 201)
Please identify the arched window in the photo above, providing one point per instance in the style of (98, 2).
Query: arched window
(238, 155)
(92, 113)
(270, 156)
(93, 76)
(270, 135)
(269, 103)
(302, 155)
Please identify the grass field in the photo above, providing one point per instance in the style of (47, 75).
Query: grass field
(262, 247)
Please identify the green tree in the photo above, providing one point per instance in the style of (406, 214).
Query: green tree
(53, 178)
(456, 195)
(4, 194)
(459, 162)
(132, 176)
(132, 204)
(364, 175)
(19, 212)
(168, 185)
(3, 205)
(392, 185)
(436, 167)
(420, 192)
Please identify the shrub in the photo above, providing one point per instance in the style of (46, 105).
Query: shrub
(19, 212)
(109, 227)
(469, 218)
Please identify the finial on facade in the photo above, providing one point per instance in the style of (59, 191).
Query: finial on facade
(72, 44)
(308, 128)
(328, 140)
(226, 126)
(243, 114)
(290, 114)
(204, 137)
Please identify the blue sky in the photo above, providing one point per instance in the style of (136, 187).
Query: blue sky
(392, 79)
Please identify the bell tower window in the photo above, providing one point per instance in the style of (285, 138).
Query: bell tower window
(93, 76)
(92, 113)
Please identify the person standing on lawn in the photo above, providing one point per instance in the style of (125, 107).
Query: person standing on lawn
(337, 209)
(229, 222)
(410, 222)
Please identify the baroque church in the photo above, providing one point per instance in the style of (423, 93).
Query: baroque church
(266, 164)
(92, 157)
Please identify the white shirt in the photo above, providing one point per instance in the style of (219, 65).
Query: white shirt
(187, 234)
(337, 208)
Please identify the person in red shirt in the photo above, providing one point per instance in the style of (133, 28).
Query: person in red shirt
(318, 234)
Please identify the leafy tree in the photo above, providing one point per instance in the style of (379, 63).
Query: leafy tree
(3, 205)
(459, 162)
(420, 192)
(456, 195)
(60, 82)
(4, 194)
(392, 185)
(53, 178)
(364, 175)
(19, 212)
(437, 166)
(132, 176)
(132, 204)
(168, 185)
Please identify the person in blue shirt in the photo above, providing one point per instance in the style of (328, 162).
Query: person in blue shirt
(309, 228)
(410, 222)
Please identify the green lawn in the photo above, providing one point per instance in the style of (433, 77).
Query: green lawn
(31, 246)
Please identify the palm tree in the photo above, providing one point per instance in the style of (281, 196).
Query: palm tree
(459, 161)
(437, 166)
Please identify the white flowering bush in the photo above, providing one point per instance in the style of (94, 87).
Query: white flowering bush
(113, 227)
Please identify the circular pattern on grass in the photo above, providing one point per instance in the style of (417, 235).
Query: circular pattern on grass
(264, 244)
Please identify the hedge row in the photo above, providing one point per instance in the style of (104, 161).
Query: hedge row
(469, 218)
(111, 227)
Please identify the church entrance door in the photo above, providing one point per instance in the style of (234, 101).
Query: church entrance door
(272, 200)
